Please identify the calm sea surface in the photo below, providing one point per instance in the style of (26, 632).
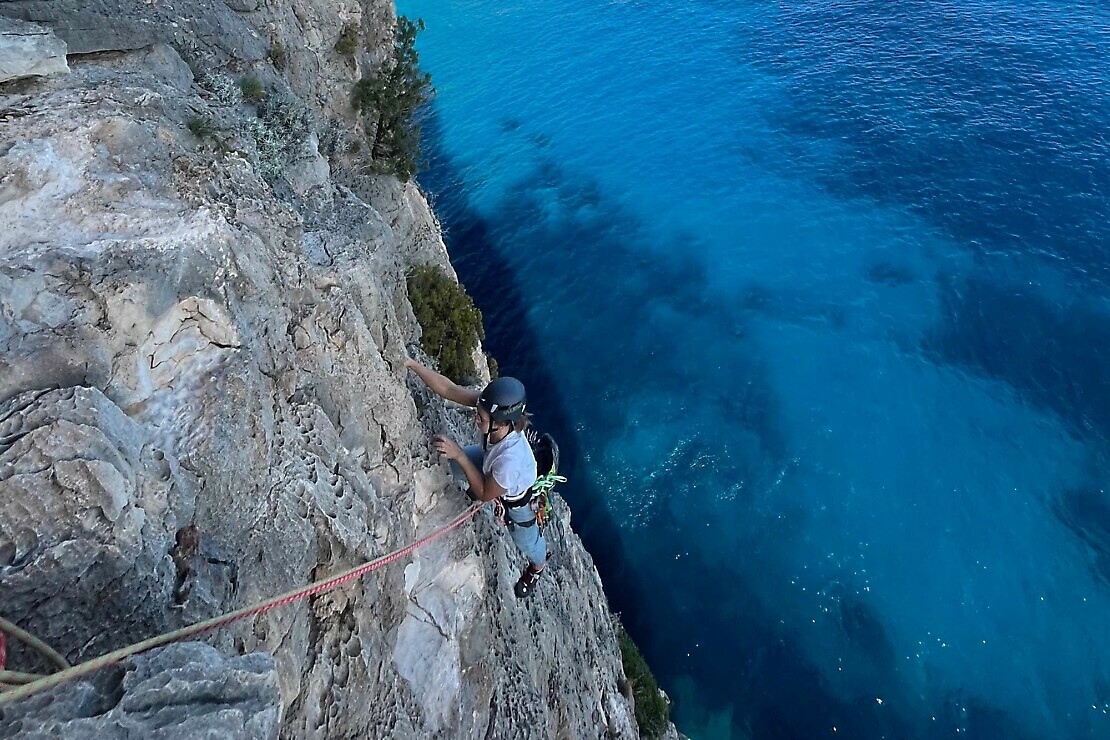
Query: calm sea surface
(816, 298)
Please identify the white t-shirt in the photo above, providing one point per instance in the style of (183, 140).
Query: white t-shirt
(512, 465)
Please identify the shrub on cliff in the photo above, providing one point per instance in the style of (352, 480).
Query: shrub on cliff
(278, 55)
(202, 127)
(389, 100)
(652, 709)
(223, 88)
(252, 89)
(347, 44)
(450, 323)
(279, 132)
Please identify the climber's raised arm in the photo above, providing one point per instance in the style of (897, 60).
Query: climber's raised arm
(443, 386)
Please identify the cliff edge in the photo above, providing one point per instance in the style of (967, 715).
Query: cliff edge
(203, 317)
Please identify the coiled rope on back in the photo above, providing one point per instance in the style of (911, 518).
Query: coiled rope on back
(116, 656)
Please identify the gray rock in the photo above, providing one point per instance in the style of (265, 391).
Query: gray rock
(29, 50)
(242, 6)
(88, 26)
(180, 691)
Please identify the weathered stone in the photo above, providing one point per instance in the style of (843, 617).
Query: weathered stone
(121, 25)
(29, 50)
(242, 6)
(178, 692)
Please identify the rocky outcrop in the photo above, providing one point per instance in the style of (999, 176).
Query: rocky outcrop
(203, 317)
(29, 50)
(188, 690)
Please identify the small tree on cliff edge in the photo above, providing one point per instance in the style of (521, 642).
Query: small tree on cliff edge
(389, 101)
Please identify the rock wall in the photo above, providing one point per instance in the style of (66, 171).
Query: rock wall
(203, 317)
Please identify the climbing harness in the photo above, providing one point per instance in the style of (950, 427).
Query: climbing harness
(538, 502)
(32, 684)
(541, 496)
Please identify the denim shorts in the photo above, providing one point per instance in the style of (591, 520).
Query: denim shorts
(528, 539)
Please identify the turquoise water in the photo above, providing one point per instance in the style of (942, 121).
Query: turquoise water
(814, 297)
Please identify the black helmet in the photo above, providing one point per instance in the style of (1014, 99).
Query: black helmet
(503, 399)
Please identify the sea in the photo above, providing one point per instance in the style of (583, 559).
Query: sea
(815, 297)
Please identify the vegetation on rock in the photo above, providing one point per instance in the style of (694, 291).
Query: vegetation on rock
(652, 708)
(202, 128)
(450, 323)
(278, 55)
(252, 89)
(347, 44)
(279, 132)
(223, 88)
(389, 100)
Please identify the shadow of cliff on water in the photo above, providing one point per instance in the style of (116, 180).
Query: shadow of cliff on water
(707, 629)
(490, 281)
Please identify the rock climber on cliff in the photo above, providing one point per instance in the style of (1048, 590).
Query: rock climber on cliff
(503, 466)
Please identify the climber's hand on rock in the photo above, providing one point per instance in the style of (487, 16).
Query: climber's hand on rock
(447, 447)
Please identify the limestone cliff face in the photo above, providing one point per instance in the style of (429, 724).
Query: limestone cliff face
(203, 315)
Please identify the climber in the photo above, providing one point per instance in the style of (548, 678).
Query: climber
(502, 467)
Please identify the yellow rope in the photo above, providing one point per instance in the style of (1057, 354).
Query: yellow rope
(28, 639)
(15, 677)
(83, 669)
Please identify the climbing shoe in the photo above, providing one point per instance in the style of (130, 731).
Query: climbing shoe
(527, 583)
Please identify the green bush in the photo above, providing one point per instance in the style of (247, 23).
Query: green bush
(202, 128)
(222, 87)
(450, 323)
(389, 100)
(278, 55)
(279, 131)
(347, 44)
(252, 89)
(652, 710)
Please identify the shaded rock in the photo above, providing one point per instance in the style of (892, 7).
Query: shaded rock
(85, 506)
(242, 6)
(206, 577)
(29, 50)
(89, 26)
(180, 691)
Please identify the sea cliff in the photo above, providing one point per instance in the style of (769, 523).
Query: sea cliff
(203, 402)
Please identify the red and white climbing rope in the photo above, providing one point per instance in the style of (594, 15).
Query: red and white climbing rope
(116, 656)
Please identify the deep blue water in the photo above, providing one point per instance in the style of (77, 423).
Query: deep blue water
(816, 298)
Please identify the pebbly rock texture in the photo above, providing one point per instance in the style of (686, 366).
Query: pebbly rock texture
(188, 690)
(29, 50)
(203, 403)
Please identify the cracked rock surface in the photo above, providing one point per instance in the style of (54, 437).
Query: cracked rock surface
(29, 50)
(180, 691)
(203, 318)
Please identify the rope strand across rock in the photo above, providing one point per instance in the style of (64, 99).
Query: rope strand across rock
(69, 674)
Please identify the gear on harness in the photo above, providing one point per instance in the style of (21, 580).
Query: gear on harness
(538, 500)
(547, 464)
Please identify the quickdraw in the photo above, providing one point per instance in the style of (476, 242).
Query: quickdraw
(541, 499)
